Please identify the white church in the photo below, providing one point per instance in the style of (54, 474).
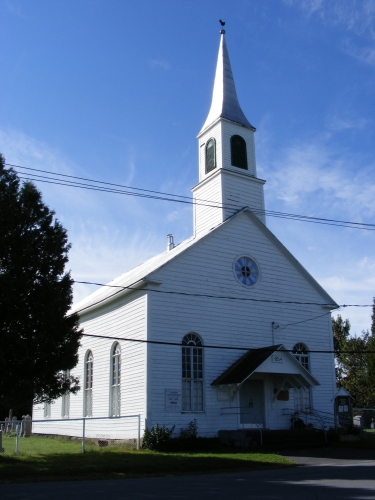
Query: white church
(223, 327)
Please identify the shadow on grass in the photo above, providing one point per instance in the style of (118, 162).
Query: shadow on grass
(110, 464)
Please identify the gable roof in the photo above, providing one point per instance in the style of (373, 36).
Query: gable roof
(255, 360)
(245, 365)
(140, 276)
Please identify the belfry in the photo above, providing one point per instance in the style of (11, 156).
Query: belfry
(227, 163)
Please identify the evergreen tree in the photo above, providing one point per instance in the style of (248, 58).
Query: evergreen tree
(39, 340)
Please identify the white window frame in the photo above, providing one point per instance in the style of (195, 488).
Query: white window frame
(65, 400)
(193, 400)
(302, 396)
(115, 381)
(88, 383)
(47, 410)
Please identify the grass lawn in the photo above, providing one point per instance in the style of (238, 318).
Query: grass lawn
(49, 459)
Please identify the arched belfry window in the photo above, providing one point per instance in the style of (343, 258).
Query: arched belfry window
(238, 152)
(115, 380)
(192, 373)
(210, 155)
(89, 378)
(302, 396)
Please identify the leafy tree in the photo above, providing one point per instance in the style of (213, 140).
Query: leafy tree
(371, 348)
(355, 361)
(39, 341)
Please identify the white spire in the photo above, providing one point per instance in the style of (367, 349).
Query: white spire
(224, 98)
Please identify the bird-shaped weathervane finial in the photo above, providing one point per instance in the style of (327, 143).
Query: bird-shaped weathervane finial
(222, 31)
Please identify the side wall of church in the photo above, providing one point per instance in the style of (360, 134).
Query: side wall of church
(207, 269)
(126, 318)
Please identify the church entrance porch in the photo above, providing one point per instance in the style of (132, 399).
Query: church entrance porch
(260, 384)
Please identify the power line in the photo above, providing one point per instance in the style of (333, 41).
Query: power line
(158, 195)
(304, 321)
(233, 348)
(130, 287)
(301, 218)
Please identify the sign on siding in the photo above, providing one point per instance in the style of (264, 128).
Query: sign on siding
(173, 400)
(277, 358)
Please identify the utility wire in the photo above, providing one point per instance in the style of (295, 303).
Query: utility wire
(146, 193)
(233, 348)
(301, 218)
(304, 321)
(130, 287)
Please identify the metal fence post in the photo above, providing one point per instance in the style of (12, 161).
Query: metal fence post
(17, 428)
(83, 434)
(1, 441)
(139, 433)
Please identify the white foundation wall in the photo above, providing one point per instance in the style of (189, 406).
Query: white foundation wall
(207, 268)
(127, 318)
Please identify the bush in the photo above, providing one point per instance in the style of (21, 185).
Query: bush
(332, 435)
(191, 431)
(157, 437)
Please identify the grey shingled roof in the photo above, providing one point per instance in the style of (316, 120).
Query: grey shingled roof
(245, 365)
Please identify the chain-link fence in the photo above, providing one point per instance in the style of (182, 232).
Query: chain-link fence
(76, 435)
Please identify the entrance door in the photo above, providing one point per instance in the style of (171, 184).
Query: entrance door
(252, 403)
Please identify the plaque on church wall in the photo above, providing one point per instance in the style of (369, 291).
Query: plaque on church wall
(173, 400)
(277, 358)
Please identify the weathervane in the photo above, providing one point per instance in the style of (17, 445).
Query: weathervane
(222, 31)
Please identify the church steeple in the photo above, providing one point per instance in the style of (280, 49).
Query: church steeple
(227, 166)
(224, 98)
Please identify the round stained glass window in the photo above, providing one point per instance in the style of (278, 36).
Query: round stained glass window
(246, 271)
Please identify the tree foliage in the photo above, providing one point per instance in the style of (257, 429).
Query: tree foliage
(39, 341)
(355, 361)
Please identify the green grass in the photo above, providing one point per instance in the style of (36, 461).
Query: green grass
(59, 459)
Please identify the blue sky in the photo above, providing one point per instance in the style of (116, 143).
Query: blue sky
(117, 91)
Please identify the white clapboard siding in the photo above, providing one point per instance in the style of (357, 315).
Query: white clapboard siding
(207, 209)
(207, 268)
(239, 191)
(126, 318)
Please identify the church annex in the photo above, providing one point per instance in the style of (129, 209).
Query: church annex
(215, 326)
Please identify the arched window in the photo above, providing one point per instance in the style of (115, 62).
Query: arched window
(89, 374)
(302, 396)
(210, 155)
(192, 373)
(65, 398)
(115, 380)
(238, 152)
(47, 410)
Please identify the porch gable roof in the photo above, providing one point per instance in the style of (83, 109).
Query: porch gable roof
(261, 361)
